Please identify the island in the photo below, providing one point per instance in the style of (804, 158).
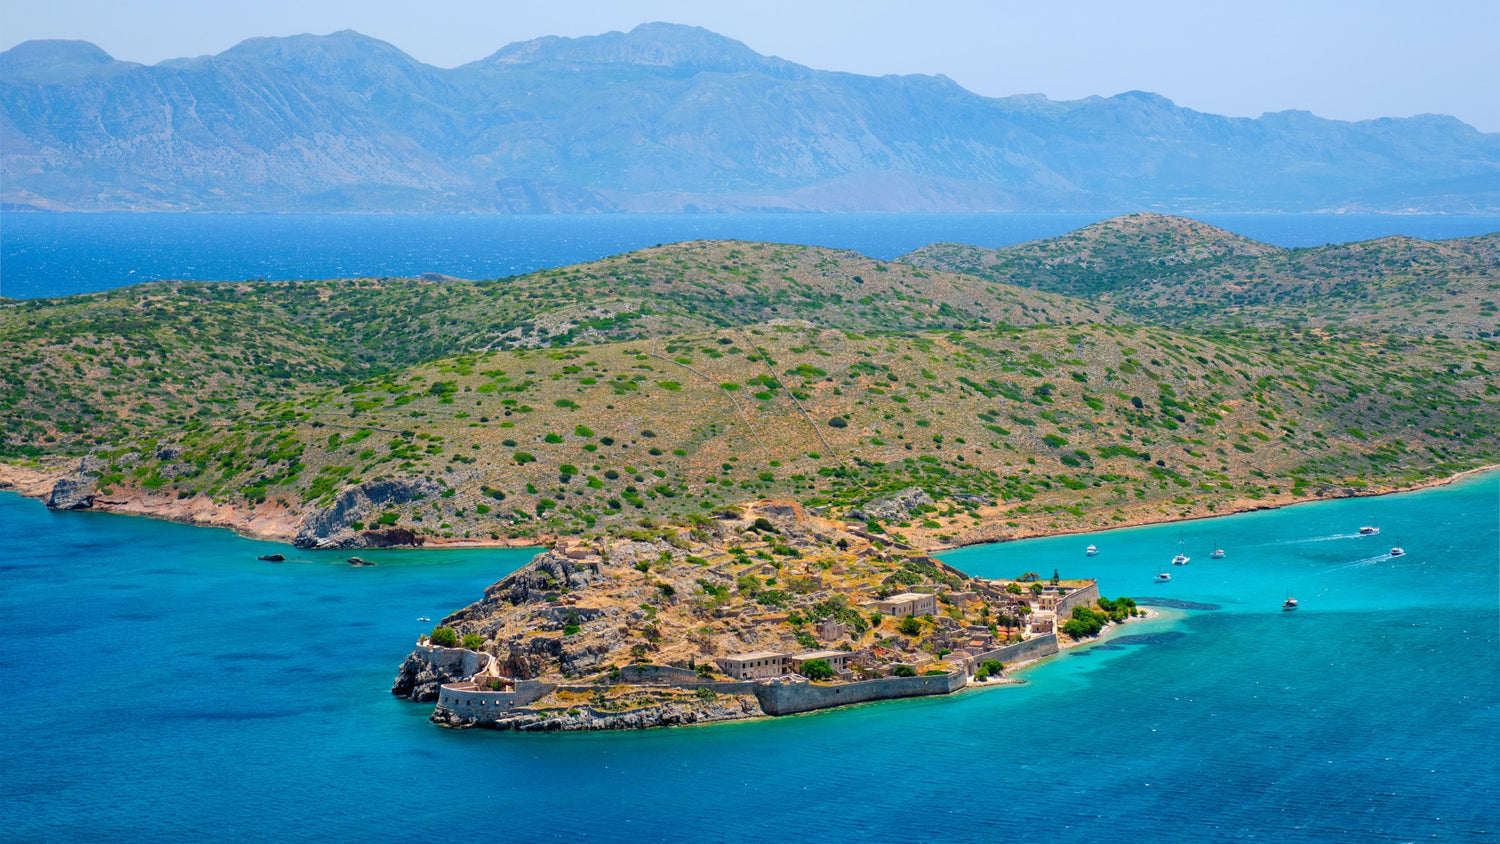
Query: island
(755, 611)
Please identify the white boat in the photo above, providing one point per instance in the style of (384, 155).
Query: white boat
(1163, 577)
(1218, 554)
(1369, 530)
(1398, 551)
(1090, 551)
(1180, 560)
(1289, 604)
(424, 618)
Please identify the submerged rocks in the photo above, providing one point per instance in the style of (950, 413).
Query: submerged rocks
(333, 527)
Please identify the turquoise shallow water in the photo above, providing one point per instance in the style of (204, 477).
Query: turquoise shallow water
(159, 681)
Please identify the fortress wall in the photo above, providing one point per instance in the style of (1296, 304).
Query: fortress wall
(1084, 597)
(465, 700)
(1044, 645)
(453, 662)
(790, 698)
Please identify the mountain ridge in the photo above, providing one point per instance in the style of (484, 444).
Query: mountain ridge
(666, 118)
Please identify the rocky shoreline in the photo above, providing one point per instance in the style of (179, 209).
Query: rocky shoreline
(71, 489)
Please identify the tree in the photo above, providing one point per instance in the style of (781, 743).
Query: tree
(474, 641)
(904, 671)
(817, 669)
(910, 626)
(444, 637)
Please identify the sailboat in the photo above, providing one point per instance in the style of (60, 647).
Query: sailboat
(1181, 559)
(1218, 554)
(1289, 604)
(1398, 551)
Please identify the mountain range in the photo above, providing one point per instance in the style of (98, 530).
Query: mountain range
(666, 118)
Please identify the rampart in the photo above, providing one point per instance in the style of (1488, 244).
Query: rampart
(470, 701)
(791, 698)
(1084, 597)
(1044, 645)
(453, 662)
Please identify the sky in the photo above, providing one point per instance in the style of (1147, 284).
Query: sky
(1350, 60)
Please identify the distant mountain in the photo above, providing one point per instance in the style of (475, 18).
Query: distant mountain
(666, 118)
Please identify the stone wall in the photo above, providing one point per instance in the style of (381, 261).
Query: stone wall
(1084, 597)
(469, 702)
(791, 698)
(1026, 651)
(428, 667)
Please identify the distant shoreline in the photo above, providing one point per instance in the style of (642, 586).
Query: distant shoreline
(273, 524)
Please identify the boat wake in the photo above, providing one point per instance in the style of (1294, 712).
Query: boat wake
(1359, 564)
(1329, 538)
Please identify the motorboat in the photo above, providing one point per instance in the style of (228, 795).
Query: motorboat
(1163, 577)
(1091, 551)
(1369, 530)
(424, 618)
(1398, 551)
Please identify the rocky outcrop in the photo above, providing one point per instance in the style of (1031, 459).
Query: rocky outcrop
(427, 668)
(899, 506)
(333, 527)
(74, 492)
(587, 718)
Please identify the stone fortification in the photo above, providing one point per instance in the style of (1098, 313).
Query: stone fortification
(792, 698)
(428, 668)
(1084, 597)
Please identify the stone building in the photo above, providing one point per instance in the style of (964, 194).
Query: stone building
(908, 603)
(831, 629)
(837, 660)
(753, 666)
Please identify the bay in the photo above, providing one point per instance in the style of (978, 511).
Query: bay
(160, 682)
(62, 254)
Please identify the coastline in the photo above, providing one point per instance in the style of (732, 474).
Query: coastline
(271, 523)
(1238, 507)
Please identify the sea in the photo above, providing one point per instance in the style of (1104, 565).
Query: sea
(61, 254)
(159, 682)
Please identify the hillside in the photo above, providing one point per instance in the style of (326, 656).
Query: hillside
(344, 122)
(1174, 271)
(698, 377)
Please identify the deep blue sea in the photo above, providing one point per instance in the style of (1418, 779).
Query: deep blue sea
(60, 254)
(159, 683)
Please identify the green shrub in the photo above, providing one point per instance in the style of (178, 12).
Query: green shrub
(473, 641)
(817, 669)
(910, 626)
(904, 671)
(444, 637)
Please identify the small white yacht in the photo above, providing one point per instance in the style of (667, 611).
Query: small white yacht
(1369, 530)
(1289, 604)
(1090, 551)
(1163, 577)
(1218, 554)
(1398, 551)
(424, 618)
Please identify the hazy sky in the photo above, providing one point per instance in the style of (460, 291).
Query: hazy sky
(1349, 60)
